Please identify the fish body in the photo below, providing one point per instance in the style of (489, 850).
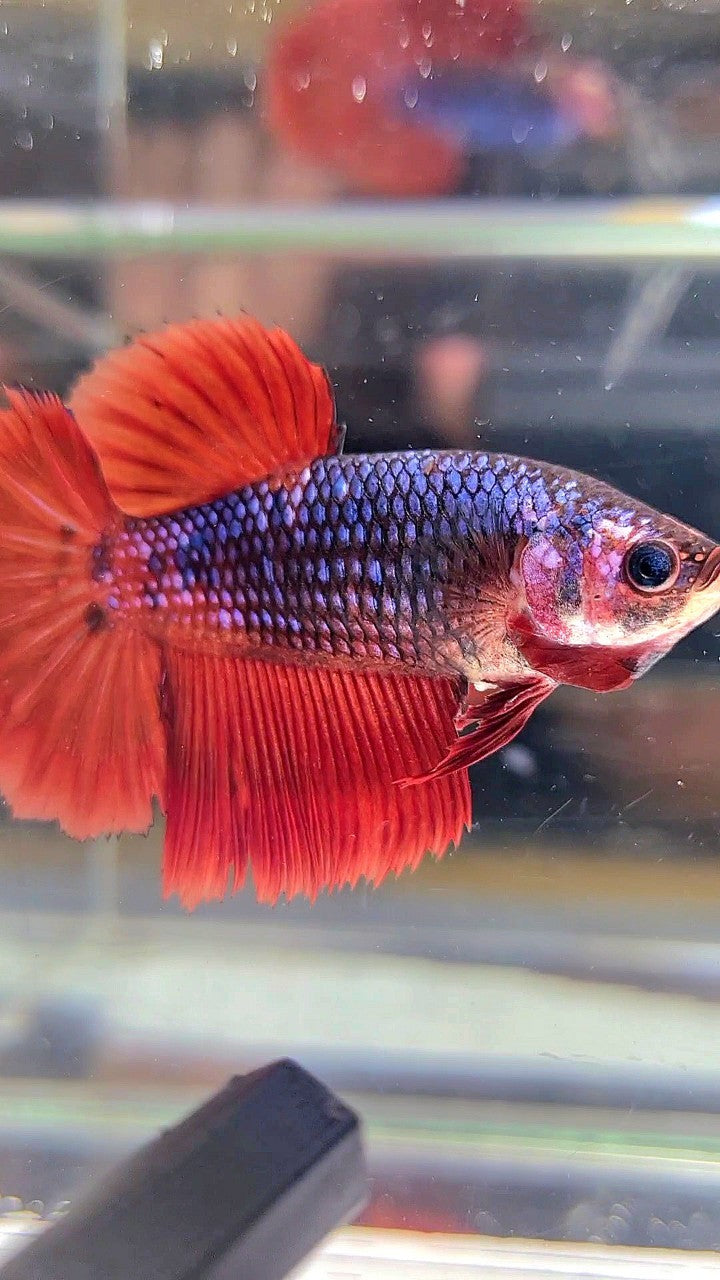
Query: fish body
(490, 111)
(297, 653)
(361, 559)
(398, 561)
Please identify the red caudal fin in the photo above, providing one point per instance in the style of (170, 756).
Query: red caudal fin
(491, 718)
(291, 770)
(181, 416)
(80, 733)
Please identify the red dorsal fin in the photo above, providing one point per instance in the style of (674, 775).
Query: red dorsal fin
(189, 413)
(292, 770)
(491, 718)
(80, 733)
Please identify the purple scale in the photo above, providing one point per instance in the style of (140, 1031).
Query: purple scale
(511, 502)
(372, 485)
(340, 487)
(382, 506)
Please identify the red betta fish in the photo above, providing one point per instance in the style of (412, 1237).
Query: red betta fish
(299, 653)
(394, 94)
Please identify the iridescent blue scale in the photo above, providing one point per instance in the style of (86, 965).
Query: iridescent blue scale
(351, 557)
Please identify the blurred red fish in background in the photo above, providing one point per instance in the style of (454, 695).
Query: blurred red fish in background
(299, 653)
(394, 94)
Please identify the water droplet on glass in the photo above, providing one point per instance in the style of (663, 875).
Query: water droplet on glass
(566, 41)
(411, 97)
(302, 80)
(250, 79)
(427, 34)
(540, 71)
(232, 47)
(425, 67)
(359, 88)
(520, 131)
(155, 55)
(404, 38)
(24, 140)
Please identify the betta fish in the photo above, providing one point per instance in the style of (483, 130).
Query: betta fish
(396, 94)
(296, 652)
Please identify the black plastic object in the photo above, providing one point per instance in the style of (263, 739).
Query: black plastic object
(242, 1189)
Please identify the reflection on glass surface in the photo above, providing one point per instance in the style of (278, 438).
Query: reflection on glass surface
(531, 1028)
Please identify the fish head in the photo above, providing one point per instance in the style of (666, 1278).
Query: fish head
(606, 586)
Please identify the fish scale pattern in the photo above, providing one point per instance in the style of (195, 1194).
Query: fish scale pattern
(351, 557)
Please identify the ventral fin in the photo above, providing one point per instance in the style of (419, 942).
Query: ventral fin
(292, 771)
(186, 414)
(490, 719)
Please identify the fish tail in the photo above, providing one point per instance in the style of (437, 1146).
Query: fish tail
(81, 738)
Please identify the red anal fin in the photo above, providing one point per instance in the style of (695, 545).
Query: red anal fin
(491, 718)
(184, 415)
(81, 739)
(291, 770)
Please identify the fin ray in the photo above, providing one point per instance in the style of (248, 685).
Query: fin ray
(196, 410)
(292, 770)
(80, 733)
(491, 718)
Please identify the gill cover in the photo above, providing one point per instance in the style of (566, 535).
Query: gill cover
(567, 623)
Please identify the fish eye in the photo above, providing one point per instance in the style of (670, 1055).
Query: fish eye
(651, 566)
